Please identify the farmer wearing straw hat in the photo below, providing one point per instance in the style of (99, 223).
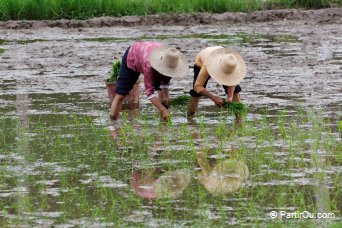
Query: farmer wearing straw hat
(225, 66)
(158, 64)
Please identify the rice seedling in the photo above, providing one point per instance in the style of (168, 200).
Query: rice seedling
(236, 107)
(79, 173)
(182, 100)
(114, 74)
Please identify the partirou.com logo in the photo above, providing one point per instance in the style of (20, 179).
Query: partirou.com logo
(301, 215)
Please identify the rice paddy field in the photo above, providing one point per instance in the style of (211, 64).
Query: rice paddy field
(62, 163)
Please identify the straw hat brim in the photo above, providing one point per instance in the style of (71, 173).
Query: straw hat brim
(157, 63)
(226, 177)
(214, 70)
(172, 183)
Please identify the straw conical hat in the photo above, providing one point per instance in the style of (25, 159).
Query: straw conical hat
(169, 62)
(226, 66)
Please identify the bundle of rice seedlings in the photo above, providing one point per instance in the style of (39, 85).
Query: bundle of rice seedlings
(180, 101)
(236, 107)
(115, 71)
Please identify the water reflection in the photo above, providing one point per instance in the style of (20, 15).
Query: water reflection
(153, 183)
(22, 104)
(129, 114)
(222, 177)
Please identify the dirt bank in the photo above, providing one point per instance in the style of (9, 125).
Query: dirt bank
(320, 16)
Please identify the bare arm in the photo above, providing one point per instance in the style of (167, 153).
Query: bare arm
(164, 97)
(199, 88)
(164, 113)
(216, 99)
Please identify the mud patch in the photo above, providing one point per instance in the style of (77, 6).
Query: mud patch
(300, 59)
(61, 69)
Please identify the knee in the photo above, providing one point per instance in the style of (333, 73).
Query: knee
(236, 97)
(237, 89)
(119, 97)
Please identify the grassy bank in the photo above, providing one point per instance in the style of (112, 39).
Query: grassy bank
(84, 9)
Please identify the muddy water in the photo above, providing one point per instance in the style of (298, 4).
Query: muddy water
(52, 75)
(289, 63)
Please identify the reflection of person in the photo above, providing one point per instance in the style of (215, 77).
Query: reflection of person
(115, 130)
(159, 64)
(151, 184)
(225, 66)
(224, 177)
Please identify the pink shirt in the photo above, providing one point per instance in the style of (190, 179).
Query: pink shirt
(138, 59)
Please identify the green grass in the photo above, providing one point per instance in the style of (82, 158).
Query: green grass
(307, 4)
(83, 9)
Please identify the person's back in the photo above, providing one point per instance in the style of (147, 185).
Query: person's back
(203, 54)
(159, 64)
(225, 66)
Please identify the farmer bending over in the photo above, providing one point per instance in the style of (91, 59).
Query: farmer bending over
(158, 64)
(225, 66)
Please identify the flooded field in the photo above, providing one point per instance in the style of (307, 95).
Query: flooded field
(59, 165)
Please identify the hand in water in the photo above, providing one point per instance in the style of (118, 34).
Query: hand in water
(164, 114)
